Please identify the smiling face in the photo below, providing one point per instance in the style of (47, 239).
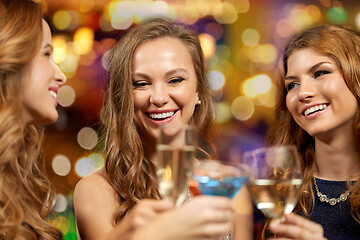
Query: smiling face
(318, 98)
(164, 85)
(42, 79)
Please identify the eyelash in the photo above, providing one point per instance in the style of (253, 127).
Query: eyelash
(290, 86)
(144, 83)
(320, 73)
(140, 84)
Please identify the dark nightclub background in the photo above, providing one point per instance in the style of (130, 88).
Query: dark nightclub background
(241, 39)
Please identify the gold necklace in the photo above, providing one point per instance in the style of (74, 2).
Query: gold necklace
(331, 201)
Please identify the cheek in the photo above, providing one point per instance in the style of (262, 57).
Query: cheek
(291, 103)
(140, 99)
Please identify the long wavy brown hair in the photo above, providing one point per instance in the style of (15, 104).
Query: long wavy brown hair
(342, 44)
(26, 195)
(128, 164)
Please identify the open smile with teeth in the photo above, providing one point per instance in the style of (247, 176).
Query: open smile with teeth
(161, 116)
(52, 93)
(314, 109)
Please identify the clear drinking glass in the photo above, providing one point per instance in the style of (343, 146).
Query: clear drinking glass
(174, 161)
(275, 179)
(217, 178)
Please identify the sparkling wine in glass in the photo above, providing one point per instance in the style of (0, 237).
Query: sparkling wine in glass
(174, 161)
(275, 179)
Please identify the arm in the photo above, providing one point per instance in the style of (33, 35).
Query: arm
(96, 206)
(297, 227)
(243, 226)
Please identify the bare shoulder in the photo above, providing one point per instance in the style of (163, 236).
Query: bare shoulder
(95, 205)
(94, 187)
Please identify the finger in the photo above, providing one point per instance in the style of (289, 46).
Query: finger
(293, 231)
(216, 216)
(304, 223)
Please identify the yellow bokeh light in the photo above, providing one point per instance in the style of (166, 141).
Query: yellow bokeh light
(208, 44)
(222, 112)
(261, 83)
(241, 6)
(256, 85)
(225, 13)
(264, 53)
(84, 39)
(250, 37)
(70, 64)
(59, 43)
(299, 18)
(62, 19)
(87, 138)
(242, 108)
(61, 223)
(357, 20)
(314, 12)
(86, 5)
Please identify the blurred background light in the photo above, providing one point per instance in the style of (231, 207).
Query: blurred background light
(61, 165)
(61, 203)
(87, 138)
(66, 96)
(225, 13)
(216, 80)
(86, 165)
(242, 108)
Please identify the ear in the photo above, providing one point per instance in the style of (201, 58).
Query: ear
(196, 99)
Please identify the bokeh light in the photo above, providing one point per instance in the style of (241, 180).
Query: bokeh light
(242, 108)
(337, 15)
(62, 19)
(222, 112)
(61, 165)
(250, 37)
(61, 203)
(208, 44)
(87, 138)
(86, 165)
(225, 13)
(216, 80)
(66, 96)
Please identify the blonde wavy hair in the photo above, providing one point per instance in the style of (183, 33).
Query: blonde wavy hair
(130, 170)
(342, 44)
(26, 195)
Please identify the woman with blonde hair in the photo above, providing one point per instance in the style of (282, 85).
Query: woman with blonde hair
(318, 111)
(29, 81)
(156, 76)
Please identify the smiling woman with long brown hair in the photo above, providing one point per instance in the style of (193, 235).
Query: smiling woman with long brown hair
(318, 111)
(29, 81)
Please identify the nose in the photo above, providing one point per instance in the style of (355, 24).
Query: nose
(307, 90)
(159, 95)
(59, 75)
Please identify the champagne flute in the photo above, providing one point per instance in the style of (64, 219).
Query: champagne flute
(218, 178)
(275, 179)
(174, 161)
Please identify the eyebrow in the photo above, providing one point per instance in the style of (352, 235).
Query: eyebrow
(48, 45)
(312, 69)
(168, 74)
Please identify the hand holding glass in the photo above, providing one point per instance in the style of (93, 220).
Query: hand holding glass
(275, 179)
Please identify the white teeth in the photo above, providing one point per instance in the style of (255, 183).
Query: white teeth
(52, 93)
(314, 109)
(161, 115)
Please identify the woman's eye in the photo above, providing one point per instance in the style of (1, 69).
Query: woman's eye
(176, 80)
(140, 84)
(48, 54)
(320, 73)
(291, 85)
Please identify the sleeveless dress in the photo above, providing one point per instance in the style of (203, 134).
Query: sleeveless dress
(336, 220)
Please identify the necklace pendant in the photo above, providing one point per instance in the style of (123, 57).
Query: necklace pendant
(343, 197)
(323, 198)
(332, 201)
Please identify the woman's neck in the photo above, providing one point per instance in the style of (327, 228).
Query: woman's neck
(337, 158)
